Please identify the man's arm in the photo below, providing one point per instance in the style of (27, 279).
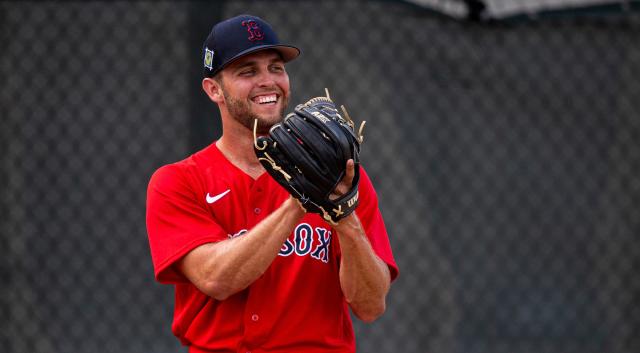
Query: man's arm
(224, 268)
(364, 277)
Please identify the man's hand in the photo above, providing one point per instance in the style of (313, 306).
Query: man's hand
(345, 184)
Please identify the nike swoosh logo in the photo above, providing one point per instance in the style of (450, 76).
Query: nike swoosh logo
(212, 199)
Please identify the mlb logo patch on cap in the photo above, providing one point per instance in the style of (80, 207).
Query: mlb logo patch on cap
(208, 58)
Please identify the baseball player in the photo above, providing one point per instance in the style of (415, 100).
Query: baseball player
(253, 271)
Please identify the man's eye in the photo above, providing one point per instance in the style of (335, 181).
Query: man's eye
(247, 72)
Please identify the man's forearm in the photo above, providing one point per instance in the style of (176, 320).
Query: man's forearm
(227, 267)
(364, 277)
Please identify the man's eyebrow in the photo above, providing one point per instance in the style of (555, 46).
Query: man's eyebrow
(275, 60)
(245, 64)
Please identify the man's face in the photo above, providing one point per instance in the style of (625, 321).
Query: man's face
(256, 87)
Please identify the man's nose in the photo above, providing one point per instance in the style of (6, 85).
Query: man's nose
(266, 79)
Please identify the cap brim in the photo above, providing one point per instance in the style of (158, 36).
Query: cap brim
(288, 52)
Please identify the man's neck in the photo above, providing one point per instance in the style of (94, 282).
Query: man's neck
(238, 149)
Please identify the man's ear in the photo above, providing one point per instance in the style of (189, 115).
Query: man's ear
(213, 89)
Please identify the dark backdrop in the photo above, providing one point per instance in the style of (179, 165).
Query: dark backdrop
(506, 157)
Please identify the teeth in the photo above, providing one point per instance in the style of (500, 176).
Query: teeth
(267, 99)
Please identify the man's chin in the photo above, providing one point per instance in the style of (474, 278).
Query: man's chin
(264, 124)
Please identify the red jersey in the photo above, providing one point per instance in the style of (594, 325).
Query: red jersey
(297, 305)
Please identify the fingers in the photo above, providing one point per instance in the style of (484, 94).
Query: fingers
(347, 180)
(350, 171)
(302, 208)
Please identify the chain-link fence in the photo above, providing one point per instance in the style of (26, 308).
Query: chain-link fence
(506, 156)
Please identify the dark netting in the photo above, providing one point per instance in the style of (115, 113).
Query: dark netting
(505, 156)
(94, 98)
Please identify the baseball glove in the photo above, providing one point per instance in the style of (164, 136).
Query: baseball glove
(307, 154)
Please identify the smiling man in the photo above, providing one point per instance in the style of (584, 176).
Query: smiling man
(252, 270)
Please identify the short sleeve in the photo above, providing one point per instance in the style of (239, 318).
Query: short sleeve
(176, 222)
(373, 223)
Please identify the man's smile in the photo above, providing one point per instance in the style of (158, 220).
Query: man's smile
(266, 99)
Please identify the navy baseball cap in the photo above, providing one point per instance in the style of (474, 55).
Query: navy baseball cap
(239, 36)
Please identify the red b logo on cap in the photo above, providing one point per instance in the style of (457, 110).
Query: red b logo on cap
(255, 33)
